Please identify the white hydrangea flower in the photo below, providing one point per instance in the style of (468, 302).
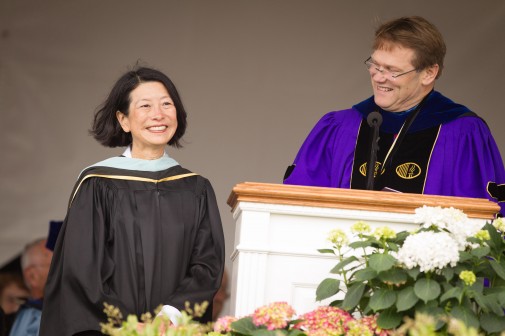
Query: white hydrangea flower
(440, 217)
(452, 220)
(429, 250)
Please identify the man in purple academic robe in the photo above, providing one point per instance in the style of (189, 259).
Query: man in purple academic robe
(426, 143)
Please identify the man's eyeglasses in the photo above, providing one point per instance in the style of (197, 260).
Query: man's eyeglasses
(374, 68)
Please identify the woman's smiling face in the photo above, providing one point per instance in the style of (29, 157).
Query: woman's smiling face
(152, 119)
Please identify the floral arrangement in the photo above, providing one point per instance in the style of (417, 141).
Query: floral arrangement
(448, 268)
(446, 278)
(157, 326)
(279, 318)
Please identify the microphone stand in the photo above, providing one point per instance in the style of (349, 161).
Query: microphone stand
(374, 119)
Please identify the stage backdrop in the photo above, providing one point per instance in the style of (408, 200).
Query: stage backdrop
(255, 76)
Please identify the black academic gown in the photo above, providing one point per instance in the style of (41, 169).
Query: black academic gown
(136, 240)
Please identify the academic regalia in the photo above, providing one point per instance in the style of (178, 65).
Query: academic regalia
(135, 238)
(448, 150)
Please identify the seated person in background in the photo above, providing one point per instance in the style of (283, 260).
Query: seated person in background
(35, 262)
(427, 143)
(13, 293)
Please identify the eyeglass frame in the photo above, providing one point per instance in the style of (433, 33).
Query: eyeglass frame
(369, 64)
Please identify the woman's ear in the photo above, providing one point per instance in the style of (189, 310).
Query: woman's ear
(430, 74)
(123, 121)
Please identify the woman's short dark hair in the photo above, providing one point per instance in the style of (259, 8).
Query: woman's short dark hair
(106, 128)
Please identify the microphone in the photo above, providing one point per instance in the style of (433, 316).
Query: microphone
(374, 120)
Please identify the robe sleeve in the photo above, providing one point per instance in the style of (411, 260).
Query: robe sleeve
(464, 160)
(203, 276)
(326, 156)
(75, 291)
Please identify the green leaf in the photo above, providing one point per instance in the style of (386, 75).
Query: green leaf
(460, 268)
(340, 266)
(478, 285)
(381, 262)
(327, 288)
(492, 323)
(496, 242)
(296, 332)
(394, 276)
(464, 256)
(353, 296)
(481, 251)
(326, 251)
(413, 273)
(360, 244)
(498, 268)
(501, 298)
(336, 303)
(365, 299)
(265, 332)
(364, 274)
(401, 236)
(448, 273)
(466, 315)
(296, 321)
(498, 282)
(489, 303)
(498, 291)
(244, 326)
(453, 293)
(392, 246)
(406, 299)
(382, 299)
(427, 289)
(430, 308)
(389, 319)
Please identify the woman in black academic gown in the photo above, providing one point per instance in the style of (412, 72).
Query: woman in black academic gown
(140, 231)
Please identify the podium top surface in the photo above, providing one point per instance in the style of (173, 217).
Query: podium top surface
(355, 199)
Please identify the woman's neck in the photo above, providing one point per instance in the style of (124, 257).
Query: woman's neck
(147, 154)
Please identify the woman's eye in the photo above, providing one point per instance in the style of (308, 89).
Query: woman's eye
(167, 104)
(145, 106)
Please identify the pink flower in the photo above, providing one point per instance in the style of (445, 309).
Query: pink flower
(223, 324)
(325, 320)
(274, 316)
(370, 322)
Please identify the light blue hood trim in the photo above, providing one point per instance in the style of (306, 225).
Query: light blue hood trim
(129, 163)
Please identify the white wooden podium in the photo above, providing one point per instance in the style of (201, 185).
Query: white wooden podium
(279, 229)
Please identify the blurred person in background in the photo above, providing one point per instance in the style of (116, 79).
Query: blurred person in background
(13, 293)
(35, 263)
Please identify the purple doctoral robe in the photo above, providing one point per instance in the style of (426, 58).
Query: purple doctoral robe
(464, 158)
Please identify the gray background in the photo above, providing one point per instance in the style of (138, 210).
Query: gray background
(255, 76)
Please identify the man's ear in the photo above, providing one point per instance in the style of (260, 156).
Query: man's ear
(123, 121)
(430, 74)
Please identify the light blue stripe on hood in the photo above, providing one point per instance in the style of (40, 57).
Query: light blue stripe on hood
(122, 162)
(127, 162)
